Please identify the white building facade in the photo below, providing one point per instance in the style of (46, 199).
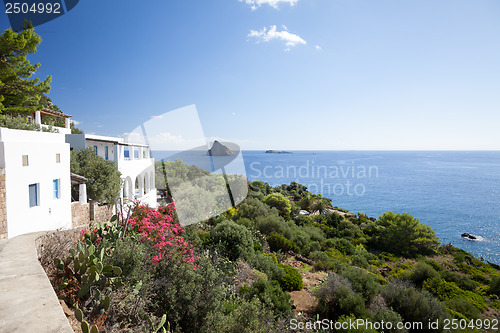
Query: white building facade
(37, 188)
(134, 162)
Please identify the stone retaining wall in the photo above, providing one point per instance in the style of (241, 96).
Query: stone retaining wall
(100, 213)
(80, 214)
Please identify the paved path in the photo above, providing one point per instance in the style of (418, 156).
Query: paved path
(27, 301)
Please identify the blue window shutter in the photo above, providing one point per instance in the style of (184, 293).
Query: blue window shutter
(33, 195)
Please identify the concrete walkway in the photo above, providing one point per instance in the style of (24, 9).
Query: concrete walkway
(27, 301)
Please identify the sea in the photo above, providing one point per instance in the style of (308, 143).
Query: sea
(454, 192)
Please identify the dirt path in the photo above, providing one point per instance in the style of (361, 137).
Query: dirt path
(304, 299)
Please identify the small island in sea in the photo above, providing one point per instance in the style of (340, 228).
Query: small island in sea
(277, 152)
(218, 149)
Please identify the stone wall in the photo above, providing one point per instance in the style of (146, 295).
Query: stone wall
(100, 213)
(80, 214)
(83, 214)
(3, 206)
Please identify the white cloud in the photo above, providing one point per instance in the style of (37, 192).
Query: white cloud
(254, 4)
(265, 35)
(318, 47)
(75, 122)
(157, 117)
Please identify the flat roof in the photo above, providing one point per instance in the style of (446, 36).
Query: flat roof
(118, 141)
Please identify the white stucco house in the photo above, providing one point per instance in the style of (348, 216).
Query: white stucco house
(133, 160)
(36, 181)
(35, 177)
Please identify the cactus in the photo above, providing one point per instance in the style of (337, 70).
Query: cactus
(94, 279)
(79, 315)
(85, 327)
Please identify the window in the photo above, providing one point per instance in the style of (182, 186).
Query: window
(25, 160)
(95, 149)
(57, 188)
(106, 153)
(58, 158)
(33, 193)
(126, 153)
(136, 153)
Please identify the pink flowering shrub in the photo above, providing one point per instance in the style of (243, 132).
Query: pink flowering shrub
(158, 228)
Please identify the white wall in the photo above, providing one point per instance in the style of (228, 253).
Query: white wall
(129, 168)
(101, 149)
(41, 149)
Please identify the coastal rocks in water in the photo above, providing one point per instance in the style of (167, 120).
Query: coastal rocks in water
(218, 149)
(469, 236)
(277, 152)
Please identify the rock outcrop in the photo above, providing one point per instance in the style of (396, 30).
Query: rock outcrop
(218, 149)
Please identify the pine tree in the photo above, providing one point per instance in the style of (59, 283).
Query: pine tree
(18, 93)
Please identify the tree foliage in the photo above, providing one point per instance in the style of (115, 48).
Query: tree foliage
(403, 234)
(280, 202)
(104, 180)
(235, 240)
(18, 93)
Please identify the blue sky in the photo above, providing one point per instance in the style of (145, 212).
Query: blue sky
(324, 74)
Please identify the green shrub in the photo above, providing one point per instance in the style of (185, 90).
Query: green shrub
(251, 208)
(389, 316)
(336, 298)
(279, 242)
(420, 273)
(280, 202)
(345, 321)
(235, 240)
(186, 295)
(386, 256)
(360, 261)
(413, 305)
(302, 240)
(271, 223)
(433, 264)
(324, 262)
(481, 279)
(21, 123)
(495, 286)
(403, 234)
(362, 258)
(104, 180)
(340, 244)
(463, 307)
(462, 281)
(270, 294)
(257, 247)
(314, 246)
(242, 316)
(291, 280)
(247, 223)
(364, 283)
(333, 220)
(314, 233)
(447, 290)
(268, 265)
(130, 255)
(346, 230)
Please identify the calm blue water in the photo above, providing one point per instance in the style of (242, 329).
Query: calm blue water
(453, 192)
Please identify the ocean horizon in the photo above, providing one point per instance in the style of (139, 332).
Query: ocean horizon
(453, 192)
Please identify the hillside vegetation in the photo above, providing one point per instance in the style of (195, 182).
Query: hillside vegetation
(241, 271)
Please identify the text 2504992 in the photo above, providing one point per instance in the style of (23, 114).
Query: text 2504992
(35, 8)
